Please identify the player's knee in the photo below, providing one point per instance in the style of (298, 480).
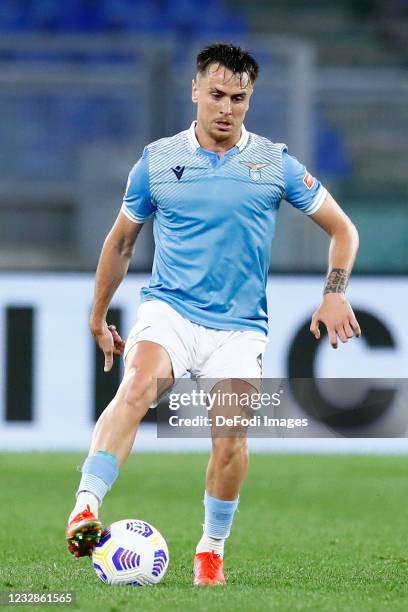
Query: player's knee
(227, 450)
(138, 390)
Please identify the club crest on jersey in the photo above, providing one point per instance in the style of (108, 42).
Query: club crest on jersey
(254, 169)
(309, 180)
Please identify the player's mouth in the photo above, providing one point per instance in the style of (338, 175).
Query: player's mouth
(224, 126)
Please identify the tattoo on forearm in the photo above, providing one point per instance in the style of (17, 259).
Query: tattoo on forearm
(336, 281)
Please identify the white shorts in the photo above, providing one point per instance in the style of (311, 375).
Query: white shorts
(204, 352)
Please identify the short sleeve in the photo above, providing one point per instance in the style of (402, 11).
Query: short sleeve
(137, 204)
(302, 190)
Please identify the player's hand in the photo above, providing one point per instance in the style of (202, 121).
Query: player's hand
(110, 342)
(337, 315)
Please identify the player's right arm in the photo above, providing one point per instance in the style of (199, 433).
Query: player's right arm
(113, 265)
(116, 254)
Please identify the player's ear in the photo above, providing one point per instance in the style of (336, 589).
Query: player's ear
(194, 91)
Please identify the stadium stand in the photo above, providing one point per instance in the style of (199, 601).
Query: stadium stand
(127, 16)
(367, 141)
(83, 88)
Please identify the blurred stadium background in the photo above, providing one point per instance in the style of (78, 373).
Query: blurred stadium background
(85, 84)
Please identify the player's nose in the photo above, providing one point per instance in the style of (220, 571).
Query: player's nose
(227, 106)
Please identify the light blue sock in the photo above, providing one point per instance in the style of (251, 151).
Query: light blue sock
(219, 514)
(99, 472)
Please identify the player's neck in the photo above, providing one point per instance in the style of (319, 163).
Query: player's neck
(208, 143)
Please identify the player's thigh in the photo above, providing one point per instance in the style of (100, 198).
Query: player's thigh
(148, 364)
(156, 350)
(230, 420)
(231, 400)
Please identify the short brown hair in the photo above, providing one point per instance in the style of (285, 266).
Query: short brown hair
(238, 60)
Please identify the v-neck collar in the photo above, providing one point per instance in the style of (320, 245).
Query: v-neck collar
(195, 145)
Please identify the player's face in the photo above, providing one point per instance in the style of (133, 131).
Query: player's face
(222, 100)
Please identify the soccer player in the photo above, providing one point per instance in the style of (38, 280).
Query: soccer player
(214, 191)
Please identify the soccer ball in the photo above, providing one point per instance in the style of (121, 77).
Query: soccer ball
(131, 552)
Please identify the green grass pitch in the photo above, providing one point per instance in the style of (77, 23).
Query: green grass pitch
(312, 533)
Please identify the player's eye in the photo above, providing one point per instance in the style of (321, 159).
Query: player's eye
(216, 95)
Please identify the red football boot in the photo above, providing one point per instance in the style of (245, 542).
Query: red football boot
(83, 533)
(208, 569)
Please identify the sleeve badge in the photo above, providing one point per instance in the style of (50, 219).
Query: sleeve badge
(309, 180)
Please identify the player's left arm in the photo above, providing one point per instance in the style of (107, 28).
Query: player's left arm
(335, 311)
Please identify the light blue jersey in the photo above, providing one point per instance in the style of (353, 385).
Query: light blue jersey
(214, 221)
